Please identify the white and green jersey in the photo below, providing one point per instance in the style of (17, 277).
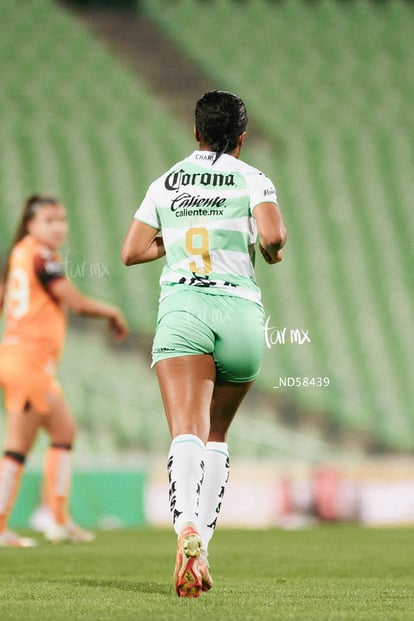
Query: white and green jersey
(205, 214)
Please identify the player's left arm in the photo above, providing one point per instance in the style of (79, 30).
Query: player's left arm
(67, 294)
(142, 244)
(51, 275)
(271, 230)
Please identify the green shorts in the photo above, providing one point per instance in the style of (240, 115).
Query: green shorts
(227, 327)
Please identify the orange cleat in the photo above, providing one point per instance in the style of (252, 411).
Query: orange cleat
(189, 567)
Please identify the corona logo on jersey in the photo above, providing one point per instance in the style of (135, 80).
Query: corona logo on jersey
(178, 178)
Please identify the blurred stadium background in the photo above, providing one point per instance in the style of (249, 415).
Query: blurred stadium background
(97, 100)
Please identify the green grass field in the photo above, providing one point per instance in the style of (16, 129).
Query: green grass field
(323, 573)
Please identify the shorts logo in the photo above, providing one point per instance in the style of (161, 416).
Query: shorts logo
(162, 350)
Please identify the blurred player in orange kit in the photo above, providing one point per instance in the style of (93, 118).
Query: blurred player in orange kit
(36, 293)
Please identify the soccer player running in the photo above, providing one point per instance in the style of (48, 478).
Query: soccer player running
(36, 293)
(204, 214)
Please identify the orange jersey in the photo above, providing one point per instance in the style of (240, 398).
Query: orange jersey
(35, 321)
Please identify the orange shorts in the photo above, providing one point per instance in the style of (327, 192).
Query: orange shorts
(27, 380)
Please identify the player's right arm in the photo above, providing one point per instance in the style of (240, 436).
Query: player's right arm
(142, 244)
(271, 230)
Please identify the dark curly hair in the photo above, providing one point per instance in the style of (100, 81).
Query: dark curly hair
(220, 118)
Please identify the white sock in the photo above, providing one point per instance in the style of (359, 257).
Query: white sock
(216, 475)
(185, 474)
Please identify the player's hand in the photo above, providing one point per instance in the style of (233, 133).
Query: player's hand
(118, 325)
(268, 258)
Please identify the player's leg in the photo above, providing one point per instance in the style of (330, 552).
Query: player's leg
(186, 384)
(21, 428)
(238, 362)
(227, 398)
(41, 517)
(61, 427)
